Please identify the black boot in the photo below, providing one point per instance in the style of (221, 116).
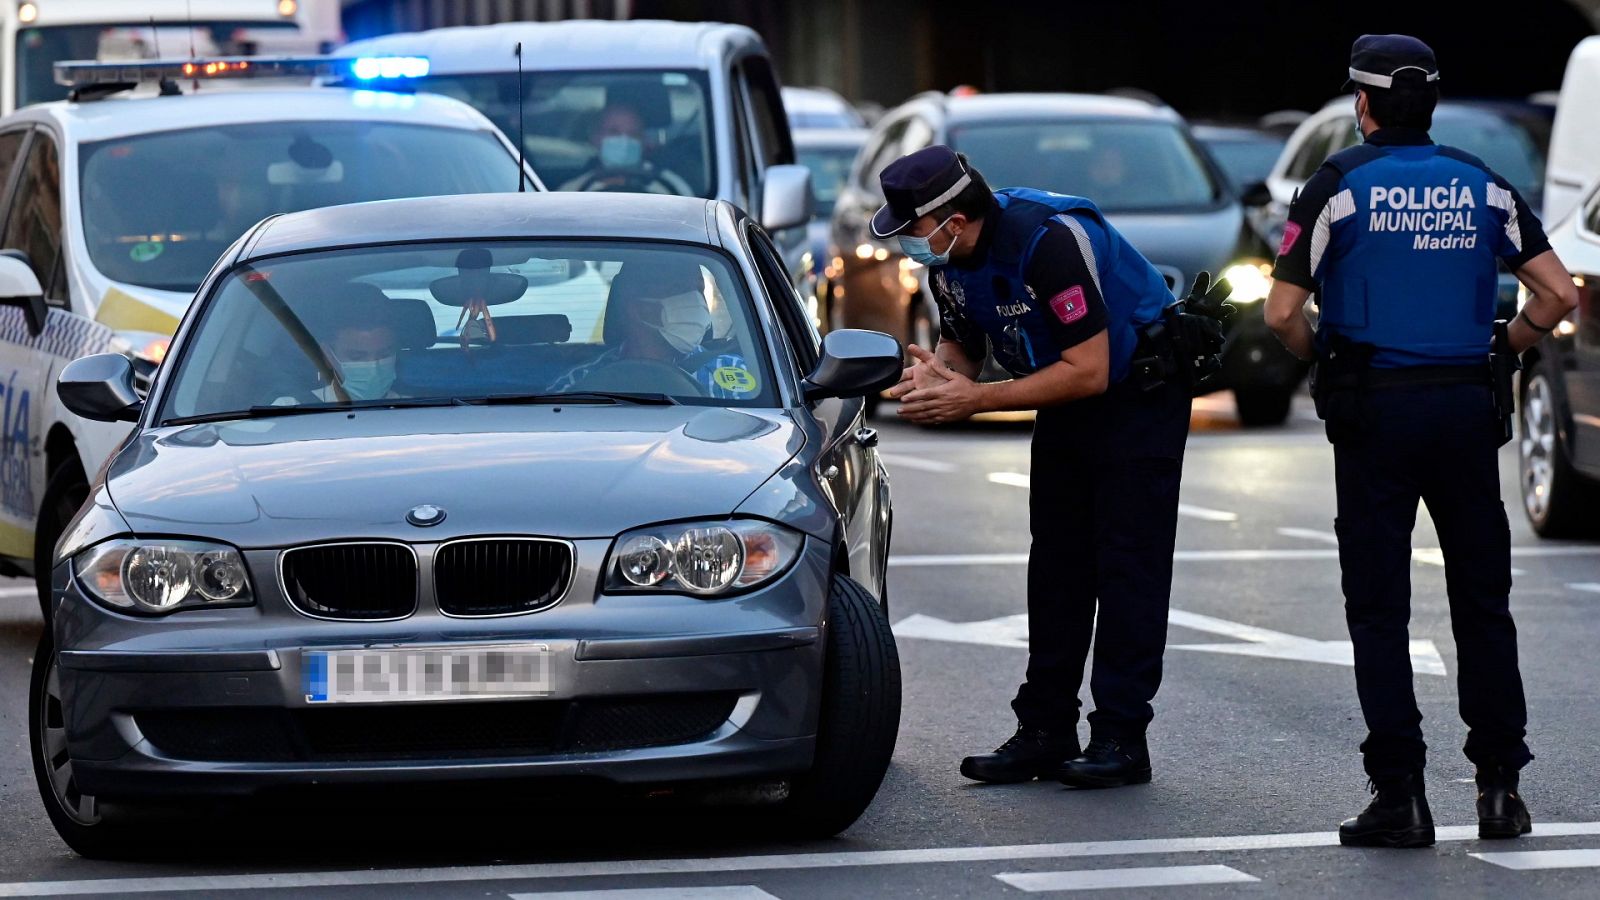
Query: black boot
(1501, 812)
(1107, 763)
(1397, 817)
(1028, 754)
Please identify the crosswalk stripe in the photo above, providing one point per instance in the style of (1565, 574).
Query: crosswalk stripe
(723, 892)
(1095, 879)
(1524, 860)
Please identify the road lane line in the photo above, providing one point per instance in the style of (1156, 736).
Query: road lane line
(1310, 534)
(1095, 879)
(1589, 587)
(19, 592)
(776, 862)
(1525, 860)
(1293, 555)
(733, 892)
(895, 460)
(1017, 479)
(1014, 479)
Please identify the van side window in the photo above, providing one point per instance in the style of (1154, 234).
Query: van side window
(34, 226)
(747, 181)
(770, 124)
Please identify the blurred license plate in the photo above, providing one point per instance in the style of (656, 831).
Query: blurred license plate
(425, 673)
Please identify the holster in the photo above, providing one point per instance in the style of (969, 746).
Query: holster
(1163, 355)
(1338, 384)
(1503, 367)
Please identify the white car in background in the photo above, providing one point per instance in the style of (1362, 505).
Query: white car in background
(1574, 159)
(820, 108)
(114, 209)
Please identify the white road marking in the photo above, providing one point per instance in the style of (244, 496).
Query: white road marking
(1017, 479)
(1589, 587)
(19, 592)
(896, 461)
(1524, 860)
(725, 892)
(1012, 631)
(742, 864)
(1095, 879)
(1310, 534)
(1017, 559)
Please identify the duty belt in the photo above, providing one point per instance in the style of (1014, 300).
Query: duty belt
(1429, 376)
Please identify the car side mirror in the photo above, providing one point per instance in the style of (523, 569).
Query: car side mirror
(1256, 195)
(100, 387)
(786, 200)
(20, 287)
(855, 363)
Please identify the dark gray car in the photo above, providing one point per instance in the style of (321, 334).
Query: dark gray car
(499, 487)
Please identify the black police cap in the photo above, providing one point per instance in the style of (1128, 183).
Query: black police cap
(917, 184)
(1390, 60)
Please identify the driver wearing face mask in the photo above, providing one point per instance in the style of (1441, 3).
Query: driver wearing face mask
(619, 162)
(361, 352)
(663, 317)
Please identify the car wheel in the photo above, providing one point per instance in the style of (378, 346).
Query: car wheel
(859, 721)
(77, 817)
(1554, 495)
(1262, 406)
(65, 492)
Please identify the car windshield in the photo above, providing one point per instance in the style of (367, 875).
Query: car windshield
(1513, 147)
(478, 322)
(630, 130)
(159, 208)
(1122, 166)
(829, 166)
(39, 49)
(1246, 160)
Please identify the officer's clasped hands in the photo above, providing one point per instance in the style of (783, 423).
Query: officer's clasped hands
(932, 393)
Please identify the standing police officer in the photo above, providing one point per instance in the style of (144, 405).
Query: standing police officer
(1399, 237)
(1046, 285)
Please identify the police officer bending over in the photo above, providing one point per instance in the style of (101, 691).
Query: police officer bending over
(1046, 285)
(1399, 238)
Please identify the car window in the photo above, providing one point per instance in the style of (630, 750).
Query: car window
(10, 147)
(604, 130)
(829, 166)
(1508, 146)
(1122, 165)
(1310, 155)
(455, 321)
(141, 231)
(34, 225)
(766, 111)
(886, 152)
(1591, 220)
(919, 134)
(744, 149)
(797, 325)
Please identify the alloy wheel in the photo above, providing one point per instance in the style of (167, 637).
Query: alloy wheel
(80, 807)
(1538, 447)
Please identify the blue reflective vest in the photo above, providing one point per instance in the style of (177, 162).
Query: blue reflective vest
(997, 302)
(1408, 250)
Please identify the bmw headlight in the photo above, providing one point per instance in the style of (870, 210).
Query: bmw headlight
(159, 576)
(706, 559)
(1251, 279)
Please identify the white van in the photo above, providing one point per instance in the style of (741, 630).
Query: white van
(1575, 140)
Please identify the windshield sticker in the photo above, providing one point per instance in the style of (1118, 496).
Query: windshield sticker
(145, 251)
(734, 378)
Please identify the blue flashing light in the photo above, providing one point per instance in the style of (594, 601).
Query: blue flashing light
(389, 68)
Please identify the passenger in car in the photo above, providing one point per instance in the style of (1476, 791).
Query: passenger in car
(620, 162)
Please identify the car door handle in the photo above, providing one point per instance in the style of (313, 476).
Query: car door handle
(867, 437)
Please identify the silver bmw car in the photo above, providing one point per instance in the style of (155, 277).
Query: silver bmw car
(476, 488)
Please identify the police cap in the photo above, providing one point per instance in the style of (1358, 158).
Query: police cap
(917, 184)
(1392, 60)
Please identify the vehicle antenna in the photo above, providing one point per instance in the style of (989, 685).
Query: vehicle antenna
(188, 16)
(155, 36)
(522, 132)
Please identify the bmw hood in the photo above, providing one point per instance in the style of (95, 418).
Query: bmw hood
(568, 471)
(1182, 245)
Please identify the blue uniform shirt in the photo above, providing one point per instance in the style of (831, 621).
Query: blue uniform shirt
(1400, 239)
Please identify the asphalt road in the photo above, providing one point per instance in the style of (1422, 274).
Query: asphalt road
(1254, 742)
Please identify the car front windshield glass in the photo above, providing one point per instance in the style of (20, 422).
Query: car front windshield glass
(159, 208)
(1246, 161)
(1122, 166)
(479, 322)
(634, 130)
(830, 167)
(1506, 146)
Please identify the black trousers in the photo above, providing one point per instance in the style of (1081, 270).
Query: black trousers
(1103, 512)
(1439, 445)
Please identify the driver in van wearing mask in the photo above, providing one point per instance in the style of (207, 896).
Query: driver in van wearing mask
(619, 162)
(663, 317)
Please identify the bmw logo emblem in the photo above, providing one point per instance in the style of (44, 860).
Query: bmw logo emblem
(425, 515)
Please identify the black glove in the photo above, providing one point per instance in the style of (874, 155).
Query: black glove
(1210, 300)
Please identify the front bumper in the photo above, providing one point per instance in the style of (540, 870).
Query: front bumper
(644, 690)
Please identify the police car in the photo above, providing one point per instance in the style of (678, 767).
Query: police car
(115, 205)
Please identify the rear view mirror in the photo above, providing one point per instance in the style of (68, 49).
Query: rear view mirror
(100, 387)
(1256, 195)
(20, 287)
(786, 200)
(855, 363)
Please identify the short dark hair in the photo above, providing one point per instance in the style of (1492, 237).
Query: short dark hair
(1402, 107)
(974, 200)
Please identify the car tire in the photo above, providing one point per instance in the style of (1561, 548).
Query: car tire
(80, 820)
(1557, 499)
(859, 720)
(64, 493)
(1263, 406)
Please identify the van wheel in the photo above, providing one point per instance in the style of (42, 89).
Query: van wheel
(64, 493)
(1559, 501)
(1263, 406)
(859, 722)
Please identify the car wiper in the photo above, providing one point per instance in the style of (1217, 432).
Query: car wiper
(270, 412)
(636, 398)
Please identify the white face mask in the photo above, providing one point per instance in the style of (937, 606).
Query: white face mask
(367, 379)
(684, 320)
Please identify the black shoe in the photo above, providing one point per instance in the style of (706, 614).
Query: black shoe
(1501, 812)
(1397, 817)
(1028, 754)
(1107, 763)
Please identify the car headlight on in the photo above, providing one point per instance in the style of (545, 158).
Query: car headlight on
(159, 576)
(1251, 280)
(706, 559)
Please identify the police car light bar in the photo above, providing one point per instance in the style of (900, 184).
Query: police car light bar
(87, 73)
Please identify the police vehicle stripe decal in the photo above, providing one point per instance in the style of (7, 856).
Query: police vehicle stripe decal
(1340, 207)
(65, 336)
(1084, 247)
(1500, 198)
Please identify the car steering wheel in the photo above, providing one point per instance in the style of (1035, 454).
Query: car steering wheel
(640, 376)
